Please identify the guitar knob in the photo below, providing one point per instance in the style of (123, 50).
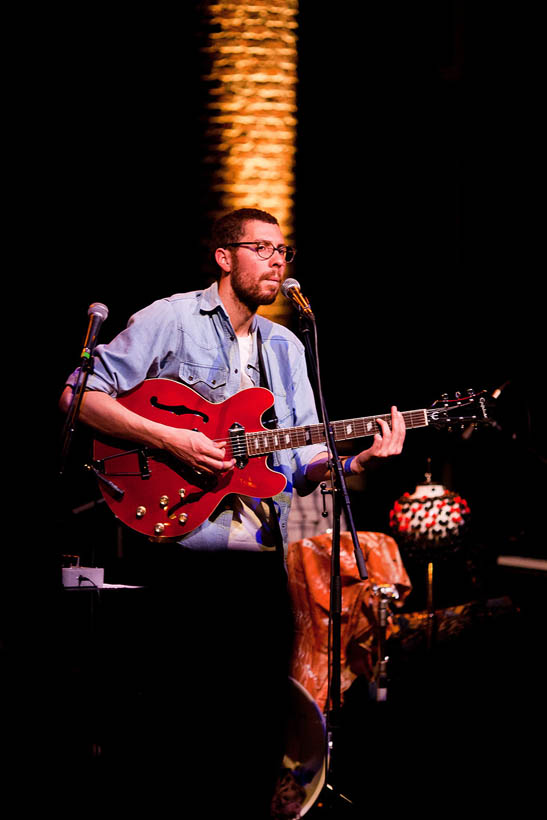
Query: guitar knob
(164, 501)
(183, 518)
(182, 492)
(159, 528)
(140, 512)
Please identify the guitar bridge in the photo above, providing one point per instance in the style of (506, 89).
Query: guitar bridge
(238, 445)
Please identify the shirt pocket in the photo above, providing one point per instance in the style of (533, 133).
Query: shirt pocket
(283, 410)
(207, 380)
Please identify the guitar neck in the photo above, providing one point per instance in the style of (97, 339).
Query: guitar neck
(267, 441)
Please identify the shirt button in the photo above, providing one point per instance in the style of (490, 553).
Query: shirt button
(236, 370)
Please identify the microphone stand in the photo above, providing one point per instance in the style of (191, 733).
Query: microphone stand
(86, 367)
(341, 502)
(97, 313)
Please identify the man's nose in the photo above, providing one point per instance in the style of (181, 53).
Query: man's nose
(277, 257)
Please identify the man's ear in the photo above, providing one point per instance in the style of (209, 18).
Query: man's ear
(223, 259)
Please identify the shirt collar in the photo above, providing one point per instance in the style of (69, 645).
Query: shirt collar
(209, 301)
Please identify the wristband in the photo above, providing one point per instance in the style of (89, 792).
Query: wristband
(347, 466)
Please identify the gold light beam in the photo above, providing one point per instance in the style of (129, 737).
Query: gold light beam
(252, 110)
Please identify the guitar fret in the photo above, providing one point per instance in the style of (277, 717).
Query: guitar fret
(268, 441)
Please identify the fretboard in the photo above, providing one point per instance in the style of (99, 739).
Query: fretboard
(285, 438)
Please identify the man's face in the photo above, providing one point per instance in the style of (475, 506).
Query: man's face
(256, 281)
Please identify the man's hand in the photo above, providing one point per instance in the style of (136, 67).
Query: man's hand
(387, 443)
(197, 450)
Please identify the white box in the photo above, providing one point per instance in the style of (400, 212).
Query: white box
(83, 576)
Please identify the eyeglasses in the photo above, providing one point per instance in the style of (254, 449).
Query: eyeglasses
(265, 250)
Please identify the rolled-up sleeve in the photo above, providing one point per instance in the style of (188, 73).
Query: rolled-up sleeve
(137, 353)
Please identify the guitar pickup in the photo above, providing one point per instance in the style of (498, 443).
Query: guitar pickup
(238, 445)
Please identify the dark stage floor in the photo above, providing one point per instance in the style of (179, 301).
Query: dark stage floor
(463, 726)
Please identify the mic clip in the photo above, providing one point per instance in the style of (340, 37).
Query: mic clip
(304, 306)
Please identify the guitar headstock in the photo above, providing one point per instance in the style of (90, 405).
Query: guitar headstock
(462, 411)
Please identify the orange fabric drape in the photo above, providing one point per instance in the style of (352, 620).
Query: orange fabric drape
(309, 569)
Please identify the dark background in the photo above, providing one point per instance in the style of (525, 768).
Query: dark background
(418, 160)
(419, 170)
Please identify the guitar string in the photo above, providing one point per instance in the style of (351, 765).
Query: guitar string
(300, 436)
(264, 441)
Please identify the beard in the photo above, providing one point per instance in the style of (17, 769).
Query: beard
(249, 291)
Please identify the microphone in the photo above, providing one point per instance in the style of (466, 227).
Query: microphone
(497, 392)
(97, 314)
(291, 289)
(495, 395)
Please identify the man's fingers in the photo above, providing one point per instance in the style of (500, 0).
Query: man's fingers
(201, 453)
(391, 440)
(398, 431)
(220, 465)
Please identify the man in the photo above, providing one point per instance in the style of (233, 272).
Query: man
(200, 338)
(214, 341)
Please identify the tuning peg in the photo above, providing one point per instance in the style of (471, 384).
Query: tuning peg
(457, 394)
(470, 391)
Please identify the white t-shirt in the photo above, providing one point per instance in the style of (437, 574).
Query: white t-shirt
(250, 528)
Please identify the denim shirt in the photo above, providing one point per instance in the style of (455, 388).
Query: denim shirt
(188, 337)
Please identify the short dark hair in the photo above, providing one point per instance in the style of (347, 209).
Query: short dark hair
(231, 226)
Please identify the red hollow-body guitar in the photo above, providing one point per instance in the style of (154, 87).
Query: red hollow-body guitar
(163, 498)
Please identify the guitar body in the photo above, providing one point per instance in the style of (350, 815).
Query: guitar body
(161, 497)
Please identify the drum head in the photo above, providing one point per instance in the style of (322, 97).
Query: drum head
(303, 773)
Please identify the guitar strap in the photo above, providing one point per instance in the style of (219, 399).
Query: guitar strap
(269, 420)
